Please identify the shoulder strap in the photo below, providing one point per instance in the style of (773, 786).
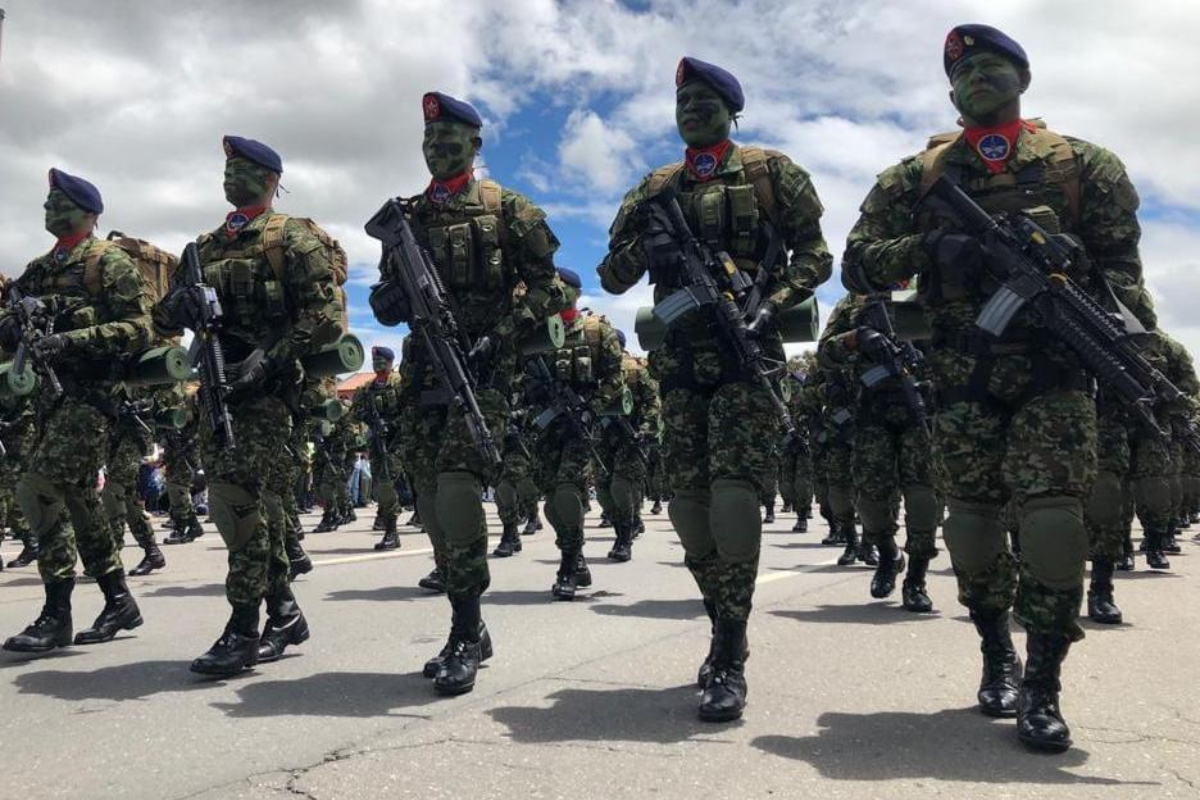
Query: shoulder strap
(1064, 163)
(91, 265)
(932, 159)
(273, 243)
(591, 329)
(662, 177)
(758, 174)
(489, 196)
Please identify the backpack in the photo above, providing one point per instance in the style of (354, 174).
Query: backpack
(157, 266)
(272, 243)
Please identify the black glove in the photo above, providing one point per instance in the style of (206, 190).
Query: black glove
(10, 332)
(763, 320)
(185, 306)
(252, 372)
(959, 256)
(390, 303)
(871, 343)
(50, 347)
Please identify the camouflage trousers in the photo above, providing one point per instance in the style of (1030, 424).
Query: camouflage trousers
(795, 479)
(238, 481)
(332, 483)
(443, 459)
(1109, 496)
(279, 496)
(178, 458)
(837, 473)
(564, 467)
(516, 489)
(1151, 467)
(122, 502)
(713, 444)
(65, 466)
(1041, 454)
(769, 482)
(385, 471)
(657, 484)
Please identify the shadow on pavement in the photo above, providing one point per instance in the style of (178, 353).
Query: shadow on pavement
(25, 581)
(655, 609)
(333, 694)
(200, 590)
(531, 597)
(880, 613)
(383, 593)
(807, 546)
(949, 745)
(664, 716)
(123, 682)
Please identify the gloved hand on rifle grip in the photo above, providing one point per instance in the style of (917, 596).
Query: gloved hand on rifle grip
(186, 306)
(10, 332)
(50, 347)
(871, 343)
(959, 256)
(252, 372)
(390, 303)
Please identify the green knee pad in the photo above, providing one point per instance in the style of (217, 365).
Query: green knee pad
(1054, 541)
(876, 515)
(841, 501)
(235, 513)
(921, 508)
(506, 496)
(1153, 493)
(527, 491)
(624, 496)
(113, 500)
(974, 534)
(459, 505)
(689, 513)
(1106, 501)
(427, 508)
(734, 520)
(551, 514)
(41, 502)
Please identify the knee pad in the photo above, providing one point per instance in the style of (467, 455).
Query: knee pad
(974, 535)
(234, 511)
(689, 514)
(568, 507)
(1106, 501)
(426, 504)
(41, 502)
(1054, 541)
(876, 515)
(921, 508)
(624, 495)
(734, 520)
(841, 501)
(459, 505)
(1154, 494)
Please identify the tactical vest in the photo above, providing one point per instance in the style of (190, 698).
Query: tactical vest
(574, 362)
(250, 281)
(727, 216)
(468, 251)
(385, 399)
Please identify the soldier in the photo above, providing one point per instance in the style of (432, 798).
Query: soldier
(891, 456)
(18, 434)
(517, 491)
(132, 439)
(275, 278)
(795, 481)
(181, 460)
(715, 419)
(98, 319)
(483, 239)
(334, 451)
(836, 438)
(1015, 414)
(377, 405)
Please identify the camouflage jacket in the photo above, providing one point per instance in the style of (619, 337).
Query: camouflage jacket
(383, 398)
(589, 362)
(646, 417)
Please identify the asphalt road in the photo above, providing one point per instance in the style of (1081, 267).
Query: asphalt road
(849, 697)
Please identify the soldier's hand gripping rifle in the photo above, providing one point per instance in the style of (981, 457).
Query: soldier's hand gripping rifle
(432, 320)
(379, 437)
(1032, 267)
(564, 400)
(37, 322)
(207, 354)
(893, 358)
(712, 280)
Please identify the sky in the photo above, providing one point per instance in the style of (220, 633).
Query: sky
(578, 103)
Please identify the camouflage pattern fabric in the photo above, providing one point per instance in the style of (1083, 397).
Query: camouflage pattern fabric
(181, 459)
(384, 397)
(1105, 516)
(123, 504)
(18, 435)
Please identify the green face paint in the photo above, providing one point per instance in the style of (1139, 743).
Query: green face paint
(701, 115)
(449, 148)
(984, 86)
(380, 364)
(63, 217)
(246, 183)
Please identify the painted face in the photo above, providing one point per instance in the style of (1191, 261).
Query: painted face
(984, 85)
(380, 364)
(449, 148)
(701, 115)
(246, 183)
(63, 217)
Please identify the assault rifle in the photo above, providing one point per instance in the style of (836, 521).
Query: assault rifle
(893, 359)
(564, 400)
(433, 322)
(37, 322)
(379, 437)
(712, 280)
(1032, 267)
(627, 436)
(207, 354)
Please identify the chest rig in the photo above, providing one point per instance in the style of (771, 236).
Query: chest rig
(575, 361)
(726, 213)
(250, 288)
(466, 239)
(385, 399)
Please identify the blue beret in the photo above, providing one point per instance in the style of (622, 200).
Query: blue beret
(722, 81)
(385, 352)
(440, 107)
(570, 277)
(82, 193)
(254, 151)
(965, 40)
(621, 337)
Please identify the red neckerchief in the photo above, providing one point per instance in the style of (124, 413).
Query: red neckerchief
(703, 162)
(440, 192)
(996, 144)
(64, 246)
(382, 377)
(239, 218)
(569, 314)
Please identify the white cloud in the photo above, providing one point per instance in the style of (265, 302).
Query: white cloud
(596, 155)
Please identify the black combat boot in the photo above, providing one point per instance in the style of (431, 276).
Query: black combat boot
(298, 561)
(1170, 545)
(178, 534)
(913, 594)
(1040, 725)
(639, 527)
(533, 524)
(705, 672)
(194, 529)
(152, 560)
(849, 535)
(52, 628)
(285, 626)
(377, 525)
(786, 508)
(328, 522)
(837, 534)
(622, 549)
(120, 612)
(656, 509)
(769, 515)
(1001, 665)
(28, 554)
(567, 579)
(1101, 607)
(435, 581)
(724, 695)
(456, 674)
(1155, 557)
(415, 520)
(236, 650)
(485, 649)
(583, 575)
(1125, 563)
(391, 539)
(868, 553)
(891, 564)
(510, 542)
(801, 525)
(604, 521)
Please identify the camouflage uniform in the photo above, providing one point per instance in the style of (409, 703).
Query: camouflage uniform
(382, 398)
(834, 451)
(335, 451)
(714, 420)
(129, 444)
(181, 461)
(18, 435)
(796, 471)
(516, 491)
(1019, 410)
